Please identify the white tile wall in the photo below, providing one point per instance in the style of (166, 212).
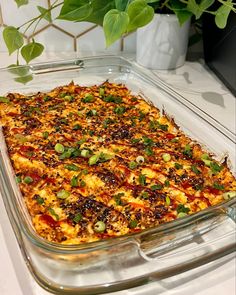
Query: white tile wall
(60, 35)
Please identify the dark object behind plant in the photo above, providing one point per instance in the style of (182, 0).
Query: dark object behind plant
(220, 49)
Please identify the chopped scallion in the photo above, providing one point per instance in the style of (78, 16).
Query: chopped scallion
(140, 159)
(133, 165)
(168, 201)
(99, 227)
(166, 157)
(72, 167)
(28, 179)
(63, 194)
(85, 153)
(59, 148)
(93, 160)
(77, 217)
(229, 195)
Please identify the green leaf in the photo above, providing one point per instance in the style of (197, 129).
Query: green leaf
(180, 10)
(24, 79)
(4, 99)
(204, 4)
(222, 15)
(115, 24)
(100, 8)
(31, 51)
(193, 7)
(140, 14)
(45, 13)
(121, 4)
(198, 9)
(75, 10)
(13, 39)
(18, 70)
(21, 2)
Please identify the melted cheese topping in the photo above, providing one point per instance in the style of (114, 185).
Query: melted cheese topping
(97, 162)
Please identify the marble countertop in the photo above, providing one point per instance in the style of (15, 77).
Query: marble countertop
(197, 84)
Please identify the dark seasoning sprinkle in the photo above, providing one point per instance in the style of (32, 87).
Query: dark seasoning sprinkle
(105, 163)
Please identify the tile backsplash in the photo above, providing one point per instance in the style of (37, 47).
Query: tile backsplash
(60, 35)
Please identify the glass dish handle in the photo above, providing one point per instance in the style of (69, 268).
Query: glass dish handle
(57, 66)
(131, 265)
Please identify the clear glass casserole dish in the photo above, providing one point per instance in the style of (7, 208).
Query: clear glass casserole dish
(130, 260)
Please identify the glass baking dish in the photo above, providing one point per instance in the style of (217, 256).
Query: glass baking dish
(131, 260)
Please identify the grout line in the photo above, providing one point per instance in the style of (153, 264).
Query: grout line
(86, 31)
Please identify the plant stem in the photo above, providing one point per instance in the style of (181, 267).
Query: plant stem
(39, 17)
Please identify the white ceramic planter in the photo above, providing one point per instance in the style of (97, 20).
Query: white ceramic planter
(162, 44)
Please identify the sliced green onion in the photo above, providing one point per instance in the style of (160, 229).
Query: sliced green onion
(229, 195)
(63, 194)
(166, 157)
(144, 195)
(119, 110)
(215, 168)
(206, 159)
(168, 201)
(99, 227)
(133, 223)
(72, 167)
(88, 98)
(45, 134)
(181, 214)
(68, 98)
(21, 138)
(142, 179)
(140, 159)
(4, 99)
(40, 200)
(156, 187)
(53, 213)
(59, 148)
(188, 151)
(133, 165)
(85, 153)
(195, 170)
(74, 181)
(149, 151)
(182, 209)
(94, 159)
(103, 157)
(77, 218)
(82, 183)
(84, 171)
(167, 183)
(18, 179)
(28, 180)
(147, 141)
(81, 141)
(218, 186)
(46, 98)
(178, 166)
(101, 91)
(77, 127)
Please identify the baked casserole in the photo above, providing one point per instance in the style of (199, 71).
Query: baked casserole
(94, 162)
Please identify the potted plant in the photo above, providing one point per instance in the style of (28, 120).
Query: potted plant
(118, 18)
